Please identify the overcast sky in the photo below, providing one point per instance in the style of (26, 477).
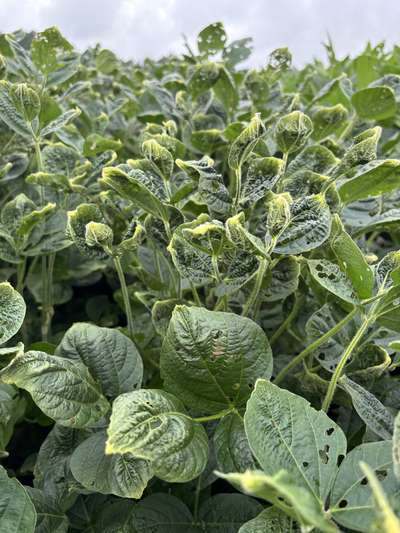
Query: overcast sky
(139, 28)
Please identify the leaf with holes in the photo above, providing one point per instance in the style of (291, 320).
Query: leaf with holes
(295, 437)
(331, 278)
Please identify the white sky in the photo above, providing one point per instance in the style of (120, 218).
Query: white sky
(139, 28)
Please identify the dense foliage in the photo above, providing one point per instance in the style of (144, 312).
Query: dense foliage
(200, 297)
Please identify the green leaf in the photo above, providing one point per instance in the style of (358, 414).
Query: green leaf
(271, 520)
(122, 475)
(331, 278)
(64, 390)
(225, 90)
(153, 425)
(328, 121)
(245, 142)
(351, 503)
(262, 175)
(316, 158)
(50, 517)
(106, 61)
(352, 261)
(284, 279)
(62, 120)
(282, 491)
(111, 357)
(308, 228)
(386, 520)
(375, 103)
(77, 222)
(374, 178)
(44, 48)
(138, 187)
(204, 76)
(295, 438)
(292, 131)
(369, 408)
(12, 408)
(10, 114)
(211, 39)
(231, 447)
(210, 360)
(160, 513)
(396, 446)
(12, 312)
(225, 513)
(17, 512)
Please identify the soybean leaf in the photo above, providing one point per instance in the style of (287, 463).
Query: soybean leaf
(12, 312)
(17, 512)
(245, 142)
(111, 357)
(263, 173)
(231, 447)
(211, 39)
(271, 520)
(282, 491)
(308, 228)
(10, 114)
(55, 125)
(351, 503)
(296, 438)
(153, 425)
(369, 408)
(396, 446)
(331, 278)
(62, 389)
(210, 360)
(375, 103)
(372, 179)
(50, 517)
(352, 262)
(225, 513)
(119, 474)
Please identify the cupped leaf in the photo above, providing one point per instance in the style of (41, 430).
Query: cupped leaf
(210, 360)
(17, 512)
(286, 433)
(309, 226)
(111, 357)
(351, 504)
(245, 142)
(262, 175)
(153, 425)
(12, 311)
(64, 390)
(10, 114)
(292, 131)
(122, 475)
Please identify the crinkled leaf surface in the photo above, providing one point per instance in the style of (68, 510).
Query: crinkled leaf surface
(63, 389)
(12, 312)
(111, 357)
(153, 425)
(17, 512)
(210, 360)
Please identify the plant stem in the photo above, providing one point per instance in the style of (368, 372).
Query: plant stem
(125, 295)
(238, 188)
(313, 346)
(217, 416)
(342, 363)
(47, 295)
(21, 270)
(286, 323)
(262, 267)
(196, 296)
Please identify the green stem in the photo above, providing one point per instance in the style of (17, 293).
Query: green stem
(286, 323)
(47, 295)
(342, 363)
(125, 295)
(21, 270)
(313, 346)
(196, 296)
(238, 188)
(256, 288)
(217, 416)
